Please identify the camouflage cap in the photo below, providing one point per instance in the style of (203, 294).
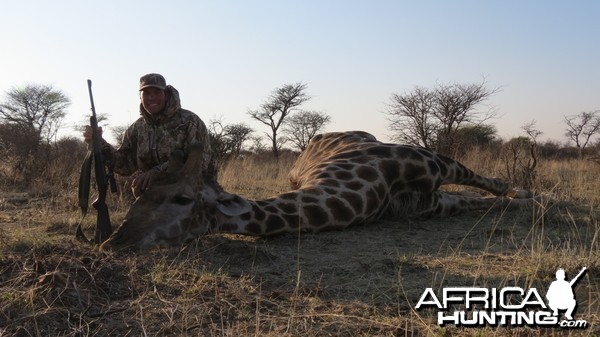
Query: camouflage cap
(153, 80)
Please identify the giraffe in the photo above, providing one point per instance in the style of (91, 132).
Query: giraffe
(341, 179)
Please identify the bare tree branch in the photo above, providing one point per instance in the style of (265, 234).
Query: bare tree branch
(227, 140)
(281, 103)
(582, 128)
(301, 127)
(432, 117)
(410, 116)
(38, 107)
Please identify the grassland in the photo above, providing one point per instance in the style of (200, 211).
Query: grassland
(364, 281)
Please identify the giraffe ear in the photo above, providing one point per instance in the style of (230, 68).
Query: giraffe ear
(232, 205)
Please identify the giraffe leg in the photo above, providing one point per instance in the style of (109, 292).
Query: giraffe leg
(453, 172)
(441, 204)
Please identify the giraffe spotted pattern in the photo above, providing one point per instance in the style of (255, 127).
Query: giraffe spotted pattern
(341, 179)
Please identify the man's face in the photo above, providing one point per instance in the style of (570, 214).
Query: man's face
(153, 100)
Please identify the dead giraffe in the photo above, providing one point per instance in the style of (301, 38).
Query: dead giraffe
(341, 179)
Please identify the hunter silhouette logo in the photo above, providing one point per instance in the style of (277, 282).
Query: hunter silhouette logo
(560, 294)
(514, 306)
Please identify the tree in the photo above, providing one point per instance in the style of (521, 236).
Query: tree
(281, 103)
(257, 146)
(39, 108)
(118, 132)
(582, 127)
(411, 117)
(304, 125)
(528, 172)
(515, 155)
(455, 107)
(30, 117)
(227, 140)
(476, 135)
(431, 117)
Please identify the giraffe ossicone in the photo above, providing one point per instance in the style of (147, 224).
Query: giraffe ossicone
(341, 179)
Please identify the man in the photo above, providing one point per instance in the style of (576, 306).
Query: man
(162, 128)
(560, 294)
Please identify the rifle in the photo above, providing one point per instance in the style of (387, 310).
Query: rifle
(103, 180)
(576, 278)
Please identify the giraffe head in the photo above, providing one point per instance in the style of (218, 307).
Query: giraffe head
(181, 204)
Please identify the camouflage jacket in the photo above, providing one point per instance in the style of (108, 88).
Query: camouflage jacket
(149, 142)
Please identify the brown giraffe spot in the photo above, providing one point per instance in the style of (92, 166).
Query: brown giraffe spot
(339, 210)
(434, 168)
(275, 222)
(381, 190)
(288, 208)
(315, 215)
(330, 190)
(293, 221)
(346, 166)
(355, 156)
(404, 152)
(288, 196)
(361, 160)
(367, 173)
(309, 200)
(372, 202)
(254, 228)
(380, 151)
(390, 170)
(355, 185)
(271, 209)
(398, 185)
(259, 214)
(331, 182)
(355, 200)
(344, 175)
(413, 171)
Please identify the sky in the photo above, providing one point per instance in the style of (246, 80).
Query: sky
(226, 57)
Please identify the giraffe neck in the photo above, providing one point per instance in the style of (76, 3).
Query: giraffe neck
(310, 209)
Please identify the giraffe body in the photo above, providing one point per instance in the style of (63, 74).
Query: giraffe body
(341, 179)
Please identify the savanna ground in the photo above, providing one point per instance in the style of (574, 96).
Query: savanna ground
(364, 281)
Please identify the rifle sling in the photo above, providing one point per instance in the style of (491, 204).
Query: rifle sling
(85, 177)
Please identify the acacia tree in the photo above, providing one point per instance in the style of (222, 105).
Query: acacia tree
(411, 117)
(302, 126)
(37, 107)
(582, 127)
(281, 103)
(35, 112)
(431, 117)
(477, 135)
(455, 107)
(227, 140)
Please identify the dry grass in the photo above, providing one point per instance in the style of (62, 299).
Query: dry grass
(363, 281)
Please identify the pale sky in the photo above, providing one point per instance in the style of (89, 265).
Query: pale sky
(225, 57)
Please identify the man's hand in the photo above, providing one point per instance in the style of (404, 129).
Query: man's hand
(87, 133)
(142, 182)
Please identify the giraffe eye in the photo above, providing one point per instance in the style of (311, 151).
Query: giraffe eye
(182, 200)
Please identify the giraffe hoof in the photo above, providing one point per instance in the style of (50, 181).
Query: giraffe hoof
(518, 194)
